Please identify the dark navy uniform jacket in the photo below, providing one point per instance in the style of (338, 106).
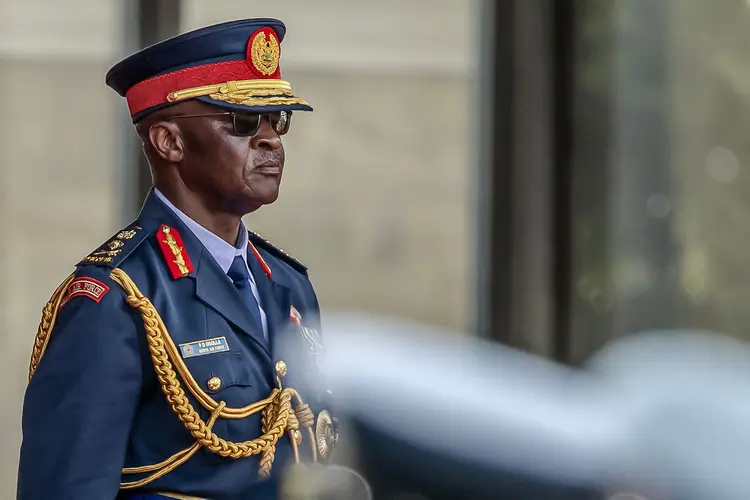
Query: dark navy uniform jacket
(94, 404)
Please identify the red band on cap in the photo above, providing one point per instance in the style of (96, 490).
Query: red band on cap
(261, 62)
(154, 91)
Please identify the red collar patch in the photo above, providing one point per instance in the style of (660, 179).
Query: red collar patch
(178, 261)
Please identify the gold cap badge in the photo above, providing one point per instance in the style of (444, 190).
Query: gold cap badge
(264, 52)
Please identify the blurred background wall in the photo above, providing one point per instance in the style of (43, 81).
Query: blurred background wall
(578, 168)
(377, 193)
(60, 174)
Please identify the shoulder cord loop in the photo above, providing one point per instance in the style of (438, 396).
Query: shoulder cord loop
(277, 415)
(49, 316)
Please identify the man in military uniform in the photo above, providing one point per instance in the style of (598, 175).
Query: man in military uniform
(175, 361)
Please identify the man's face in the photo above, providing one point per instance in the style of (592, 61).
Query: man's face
(232, 172)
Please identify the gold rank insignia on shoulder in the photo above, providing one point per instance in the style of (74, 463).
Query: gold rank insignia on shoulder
(106, 253)
(280, 251)
(128, 234)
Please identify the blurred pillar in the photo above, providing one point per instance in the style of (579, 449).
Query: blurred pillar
(645, 253)
(149, 21)
(523, 261)
(593, 99)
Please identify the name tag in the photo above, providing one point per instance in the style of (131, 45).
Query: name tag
(203, 347)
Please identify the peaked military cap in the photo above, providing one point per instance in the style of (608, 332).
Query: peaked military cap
(233, 65)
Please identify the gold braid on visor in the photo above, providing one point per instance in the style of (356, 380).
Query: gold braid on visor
(245, 92)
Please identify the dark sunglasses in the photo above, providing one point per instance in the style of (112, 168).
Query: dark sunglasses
(248, 124)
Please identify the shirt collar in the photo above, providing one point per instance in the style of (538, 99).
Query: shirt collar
(222, 252)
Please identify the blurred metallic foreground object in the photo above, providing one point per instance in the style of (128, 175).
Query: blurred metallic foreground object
(664, 415)
(324, 482)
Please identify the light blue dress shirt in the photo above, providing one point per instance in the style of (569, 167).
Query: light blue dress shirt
(222, 252)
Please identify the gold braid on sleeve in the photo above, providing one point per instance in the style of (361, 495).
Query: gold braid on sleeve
(277, 414)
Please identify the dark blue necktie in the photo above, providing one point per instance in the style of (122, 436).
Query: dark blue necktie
(240, 277)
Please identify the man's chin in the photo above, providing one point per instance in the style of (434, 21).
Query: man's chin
(268, 198)
(259, 199)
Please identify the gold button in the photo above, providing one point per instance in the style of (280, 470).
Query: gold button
(214, 383)
(280, 368)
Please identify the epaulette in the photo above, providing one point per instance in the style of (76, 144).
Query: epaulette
(116, 249)
(278, 252)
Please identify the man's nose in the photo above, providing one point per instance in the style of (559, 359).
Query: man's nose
(266, 138)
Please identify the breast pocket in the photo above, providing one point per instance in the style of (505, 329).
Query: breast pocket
(232, 378)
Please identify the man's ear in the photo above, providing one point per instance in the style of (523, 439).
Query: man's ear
(166, 140)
